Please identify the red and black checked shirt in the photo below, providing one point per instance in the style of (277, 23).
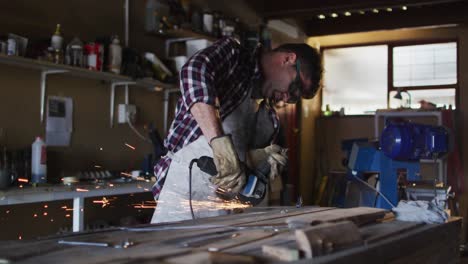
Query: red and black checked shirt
(220, 75)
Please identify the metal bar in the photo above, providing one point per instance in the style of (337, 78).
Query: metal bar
(44, 74)
(127, 22)
(126, 95)
(78, 213)
(112, 101)
(166, 109)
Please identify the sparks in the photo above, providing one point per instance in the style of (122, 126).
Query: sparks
(130, 146)
(104, 201)
(145, 205)
(126, 174)
(23, 180)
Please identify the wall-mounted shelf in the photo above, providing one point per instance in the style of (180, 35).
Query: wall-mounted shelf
(115, 80)
(182, 33)
(82, 72)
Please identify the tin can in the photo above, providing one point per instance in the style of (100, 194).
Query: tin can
(11, 46)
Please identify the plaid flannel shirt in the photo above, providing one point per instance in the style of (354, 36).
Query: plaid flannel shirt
(220, 75)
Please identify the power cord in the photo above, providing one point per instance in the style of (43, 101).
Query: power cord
(206, 164)
(190, 186)
(374, 189)
(135, 130)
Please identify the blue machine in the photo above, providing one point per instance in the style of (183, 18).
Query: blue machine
(402, 146)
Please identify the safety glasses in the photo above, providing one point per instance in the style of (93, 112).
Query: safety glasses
(295, 88)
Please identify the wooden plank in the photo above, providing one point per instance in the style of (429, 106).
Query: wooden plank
(327, 238)
(360, 216)
(281, 253)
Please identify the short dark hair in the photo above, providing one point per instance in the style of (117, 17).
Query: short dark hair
(311, 65)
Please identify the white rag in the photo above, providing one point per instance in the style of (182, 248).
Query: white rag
(420, 211)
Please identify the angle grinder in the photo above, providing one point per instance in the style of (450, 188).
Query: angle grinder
(253, 192)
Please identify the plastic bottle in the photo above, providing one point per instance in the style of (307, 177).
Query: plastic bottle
(57, 39)
(38, 161)
(115, 55)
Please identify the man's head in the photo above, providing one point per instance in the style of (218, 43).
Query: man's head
(280, 69)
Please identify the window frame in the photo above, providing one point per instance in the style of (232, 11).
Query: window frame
(390, 46)
(392, 88)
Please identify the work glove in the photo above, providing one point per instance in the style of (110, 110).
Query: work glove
(231, 176)
(276, 156)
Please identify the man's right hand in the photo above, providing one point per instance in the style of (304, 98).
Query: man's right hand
(231, 176)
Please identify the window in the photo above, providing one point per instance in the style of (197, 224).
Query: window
(356, 78)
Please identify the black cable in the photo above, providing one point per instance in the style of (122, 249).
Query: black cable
(190, 187)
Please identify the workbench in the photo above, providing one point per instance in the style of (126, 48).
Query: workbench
(265, 235)
(76, 192)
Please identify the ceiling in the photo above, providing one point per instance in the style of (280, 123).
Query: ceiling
(326, 17)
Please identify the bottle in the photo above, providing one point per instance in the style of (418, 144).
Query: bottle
(57, 39)
(11, 47)
(115, 55)
(38, 161)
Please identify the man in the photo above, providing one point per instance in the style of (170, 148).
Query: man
(218, 116)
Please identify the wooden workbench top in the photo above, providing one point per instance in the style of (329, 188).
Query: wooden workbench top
(259, 235)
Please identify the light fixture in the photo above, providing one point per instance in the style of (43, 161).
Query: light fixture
(321, 16)
(389, 9)
(347, 13)
(404, 8)
(399, 97)
(375, 10)
(362, 12)
(334, 15)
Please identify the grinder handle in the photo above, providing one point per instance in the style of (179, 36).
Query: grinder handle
(207, 165)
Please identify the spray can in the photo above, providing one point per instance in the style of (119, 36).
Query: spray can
(115, 55)
(38, 161)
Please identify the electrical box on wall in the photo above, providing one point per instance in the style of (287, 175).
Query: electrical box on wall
(127, 111)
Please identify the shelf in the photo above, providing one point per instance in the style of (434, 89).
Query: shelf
(82, 72)
(115, 80)
(182, 33)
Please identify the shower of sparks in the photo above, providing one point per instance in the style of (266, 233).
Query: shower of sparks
(23, 180)
(126, 174)
(104, 201)
(145, 205)
(130, 146)
(81, 190)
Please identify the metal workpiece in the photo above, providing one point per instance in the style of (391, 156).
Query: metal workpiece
(123, 244)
